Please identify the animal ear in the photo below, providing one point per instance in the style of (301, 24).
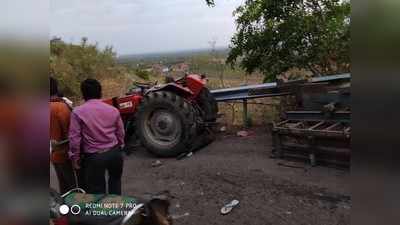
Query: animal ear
(157, 209)
(161, 205)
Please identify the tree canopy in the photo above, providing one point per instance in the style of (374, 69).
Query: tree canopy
(274, 36)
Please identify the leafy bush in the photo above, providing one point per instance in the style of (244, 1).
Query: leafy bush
(142, 74)
(71, 64)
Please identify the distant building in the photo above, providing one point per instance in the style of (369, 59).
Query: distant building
(165, 70)
(160, 69)
(218, 61)
(157, 68)
(180, 67)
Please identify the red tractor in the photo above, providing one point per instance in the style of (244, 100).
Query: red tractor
(169, 119)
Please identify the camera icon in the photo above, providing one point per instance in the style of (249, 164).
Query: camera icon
(74, 209)
(64, 209)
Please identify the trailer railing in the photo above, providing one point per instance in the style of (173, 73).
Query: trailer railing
(274, 89)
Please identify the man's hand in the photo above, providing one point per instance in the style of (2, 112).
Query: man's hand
(76, 165)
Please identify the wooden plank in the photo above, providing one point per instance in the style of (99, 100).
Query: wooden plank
(333, 126)
(316, 125)
(283, 122)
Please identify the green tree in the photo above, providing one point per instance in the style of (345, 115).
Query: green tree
(274, 36)
(145, 75)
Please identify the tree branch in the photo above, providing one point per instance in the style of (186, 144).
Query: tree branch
(210, 3)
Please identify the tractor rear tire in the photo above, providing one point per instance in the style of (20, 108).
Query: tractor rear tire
(166, 124)
(208, 104)
(208, 113)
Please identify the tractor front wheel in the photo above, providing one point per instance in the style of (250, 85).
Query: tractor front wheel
(166, 124)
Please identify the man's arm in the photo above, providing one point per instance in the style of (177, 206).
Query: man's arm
(75, 138)
(120, 132)
(64, 118)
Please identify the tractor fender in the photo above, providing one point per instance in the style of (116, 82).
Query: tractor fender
(171, 87)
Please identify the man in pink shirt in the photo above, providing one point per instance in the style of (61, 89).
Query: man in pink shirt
(96, 137)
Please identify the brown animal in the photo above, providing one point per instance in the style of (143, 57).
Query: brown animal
(157, 213)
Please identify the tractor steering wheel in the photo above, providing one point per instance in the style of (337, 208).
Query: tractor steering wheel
(142, 85)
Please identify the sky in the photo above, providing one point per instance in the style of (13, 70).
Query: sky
(25, 20)
(144, 26)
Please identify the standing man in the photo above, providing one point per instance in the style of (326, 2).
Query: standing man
(59, 125)
(96, 137)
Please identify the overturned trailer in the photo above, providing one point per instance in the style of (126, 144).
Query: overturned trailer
(319, 129)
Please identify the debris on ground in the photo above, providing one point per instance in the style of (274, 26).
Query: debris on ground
(156, 163)
(228, 207)
(222, 129)
(181, 156)
(344, 205)
(174, 217)
(291, 166)
(184, 155)
(242, 133)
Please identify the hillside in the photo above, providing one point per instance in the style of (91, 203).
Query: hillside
(70, 64)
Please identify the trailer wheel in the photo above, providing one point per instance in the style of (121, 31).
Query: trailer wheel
(166, 124)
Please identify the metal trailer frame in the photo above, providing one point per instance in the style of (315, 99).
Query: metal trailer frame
(320, 141)
(273, 89)
(315, 131)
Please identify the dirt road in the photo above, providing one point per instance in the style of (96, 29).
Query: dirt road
(240, 168)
